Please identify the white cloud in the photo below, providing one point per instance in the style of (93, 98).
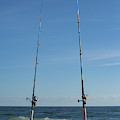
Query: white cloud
(92, 100)
(105, 100)
(57, 101)
(102, 55)
(111, 64)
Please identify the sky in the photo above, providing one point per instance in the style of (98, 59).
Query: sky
(58, 80)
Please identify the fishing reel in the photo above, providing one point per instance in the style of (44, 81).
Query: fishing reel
(84, 97)
(33, 101)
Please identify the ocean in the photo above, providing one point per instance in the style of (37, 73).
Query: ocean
(60, 113)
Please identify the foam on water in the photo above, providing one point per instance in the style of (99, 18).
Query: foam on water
(27, 118)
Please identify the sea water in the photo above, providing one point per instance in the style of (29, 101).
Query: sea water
(60, 113)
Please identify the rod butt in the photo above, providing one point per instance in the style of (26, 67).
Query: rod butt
(84, 114)
(31, 114)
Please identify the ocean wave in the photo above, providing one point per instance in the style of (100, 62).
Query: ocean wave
(27, 118)
(7, 114)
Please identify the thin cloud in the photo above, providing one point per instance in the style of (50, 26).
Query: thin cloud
(115, 29)
(105, 54)
(103, 100)
(114, 18)
(102, 57)
(111, 64)
(108, 64)
(57, 101)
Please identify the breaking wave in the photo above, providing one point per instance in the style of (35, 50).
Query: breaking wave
(27, 118)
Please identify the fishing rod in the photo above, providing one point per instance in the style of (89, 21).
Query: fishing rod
(84, 97)
(34, 98)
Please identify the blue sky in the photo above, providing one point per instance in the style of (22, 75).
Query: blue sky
(58, 76)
